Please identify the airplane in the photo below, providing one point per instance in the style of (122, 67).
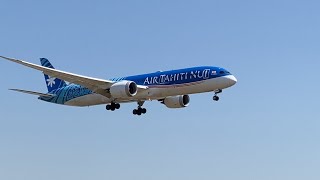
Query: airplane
(172, 88)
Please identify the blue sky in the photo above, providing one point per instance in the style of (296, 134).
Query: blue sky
(265, 127)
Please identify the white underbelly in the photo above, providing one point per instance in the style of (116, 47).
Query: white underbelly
(88, 100)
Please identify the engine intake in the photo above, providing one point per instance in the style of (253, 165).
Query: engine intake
(180, 101)
(123, 89)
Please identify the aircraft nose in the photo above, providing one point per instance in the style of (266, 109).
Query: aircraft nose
(232, 80)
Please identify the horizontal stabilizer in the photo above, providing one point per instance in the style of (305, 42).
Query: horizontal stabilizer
(33, 93)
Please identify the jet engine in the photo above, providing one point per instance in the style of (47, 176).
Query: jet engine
(123, 89)
(177, 101)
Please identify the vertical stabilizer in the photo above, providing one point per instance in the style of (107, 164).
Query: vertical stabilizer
(51, 82)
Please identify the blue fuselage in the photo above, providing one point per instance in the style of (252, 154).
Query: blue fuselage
(179, 76)
(160, 79)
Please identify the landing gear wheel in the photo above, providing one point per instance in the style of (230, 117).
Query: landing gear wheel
(139, 110)
(216, 98)
(136, 112)
(112, 106)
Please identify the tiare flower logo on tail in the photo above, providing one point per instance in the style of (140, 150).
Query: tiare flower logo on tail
(51, 81)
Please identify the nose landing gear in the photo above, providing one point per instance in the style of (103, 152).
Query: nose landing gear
(216, 92)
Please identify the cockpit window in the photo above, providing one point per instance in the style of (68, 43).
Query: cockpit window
(222, 72)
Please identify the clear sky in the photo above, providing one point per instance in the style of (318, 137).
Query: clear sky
(267, 127)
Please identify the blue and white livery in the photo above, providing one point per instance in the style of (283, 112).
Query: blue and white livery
(172, 88)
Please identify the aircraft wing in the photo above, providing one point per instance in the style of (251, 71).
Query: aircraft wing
(96, 85)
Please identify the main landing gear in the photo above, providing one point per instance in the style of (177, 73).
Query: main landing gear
(139, 110)
(113, 106)
(216, 92)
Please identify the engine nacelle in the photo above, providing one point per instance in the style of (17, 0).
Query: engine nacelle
(177, 101)
(123, 89)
